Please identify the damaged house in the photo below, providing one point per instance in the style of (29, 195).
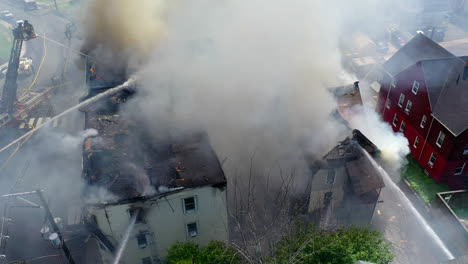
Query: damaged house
(173, 187)
(346, 186)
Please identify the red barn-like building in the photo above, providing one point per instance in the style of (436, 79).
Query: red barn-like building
(424, 95)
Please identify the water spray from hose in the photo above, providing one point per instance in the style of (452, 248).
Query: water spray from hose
(130, 84)
(123, 243)
(389, 182)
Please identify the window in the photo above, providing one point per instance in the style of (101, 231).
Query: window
(402, 126)
(400, 101)
(192, 230)
(331, 176)
(140, 219)
(408, 107)
(440, 139)
(460, 168)
(190, 205)
(465, 151)
(142, 240)
(395, 120)
(415, 87)
(393, 83)
(146, 260)
(327, 198)
(416, 142)
(432, 160)
(388, 104)
(423, 121)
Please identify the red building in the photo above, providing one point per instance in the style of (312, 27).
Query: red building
(424, 95)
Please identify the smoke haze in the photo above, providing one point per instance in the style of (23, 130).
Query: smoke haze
(253, 74)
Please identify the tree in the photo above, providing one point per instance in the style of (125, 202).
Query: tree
(341, 246)
(215, 252)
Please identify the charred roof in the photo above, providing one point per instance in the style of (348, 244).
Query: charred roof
(349, 156)
(129, 162)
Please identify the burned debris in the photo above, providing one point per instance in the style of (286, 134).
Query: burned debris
(345, 188)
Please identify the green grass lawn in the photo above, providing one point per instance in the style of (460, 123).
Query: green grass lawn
(5, 43)
(423, 184)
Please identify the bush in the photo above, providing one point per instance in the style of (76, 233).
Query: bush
(215, 252)
(342, 246)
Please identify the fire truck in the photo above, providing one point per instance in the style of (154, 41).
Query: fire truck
(13, 109)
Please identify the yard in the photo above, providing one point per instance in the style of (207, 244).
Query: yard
(5, 43)
(423, 184)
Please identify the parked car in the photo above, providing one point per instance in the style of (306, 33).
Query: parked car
(382, 47)
(400, 38)
(30, 5)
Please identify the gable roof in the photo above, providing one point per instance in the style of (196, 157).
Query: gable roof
(419, 48)
(436, 72)
(448, 98)
(452, 107)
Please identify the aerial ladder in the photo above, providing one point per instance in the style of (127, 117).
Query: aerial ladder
(23, 32)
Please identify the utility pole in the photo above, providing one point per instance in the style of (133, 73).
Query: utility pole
(50, 218)
(56, 7)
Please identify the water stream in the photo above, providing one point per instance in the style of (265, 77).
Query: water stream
(128, 84)
(123, 243)
(391, 184)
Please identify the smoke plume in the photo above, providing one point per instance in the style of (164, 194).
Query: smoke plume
(253, 74)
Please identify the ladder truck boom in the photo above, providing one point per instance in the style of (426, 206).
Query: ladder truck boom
(23, 32)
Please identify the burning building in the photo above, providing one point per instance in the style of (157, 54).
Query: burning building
(173, 186)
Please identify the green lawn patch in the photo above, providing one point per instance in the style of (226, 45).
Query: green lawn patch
(5, 43)
(423, 184)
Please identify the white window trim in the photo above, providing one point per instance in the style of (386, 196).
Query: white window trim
(401, 100)
(147, 238)
(417, 87)
(408, 110)
(395, 118)
(437, 140)
(424, 118)
(196, 205)
(402, 126)
(416, 140)
(463, 167)
(431, 164)
(187, 231)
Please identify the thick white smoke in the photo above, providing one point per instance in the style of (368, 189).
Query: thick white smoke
(394, 146)
(253, 74)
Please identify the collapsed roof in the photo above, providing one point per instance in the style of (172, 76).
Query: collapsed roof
(127, 160)
(349, 154)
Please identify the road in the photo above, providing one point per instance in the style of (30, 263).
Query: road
(411, 241)
(50, 159)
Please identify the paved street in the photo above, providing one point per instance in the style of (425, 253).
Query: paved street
(412, 243)
(50, 159)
